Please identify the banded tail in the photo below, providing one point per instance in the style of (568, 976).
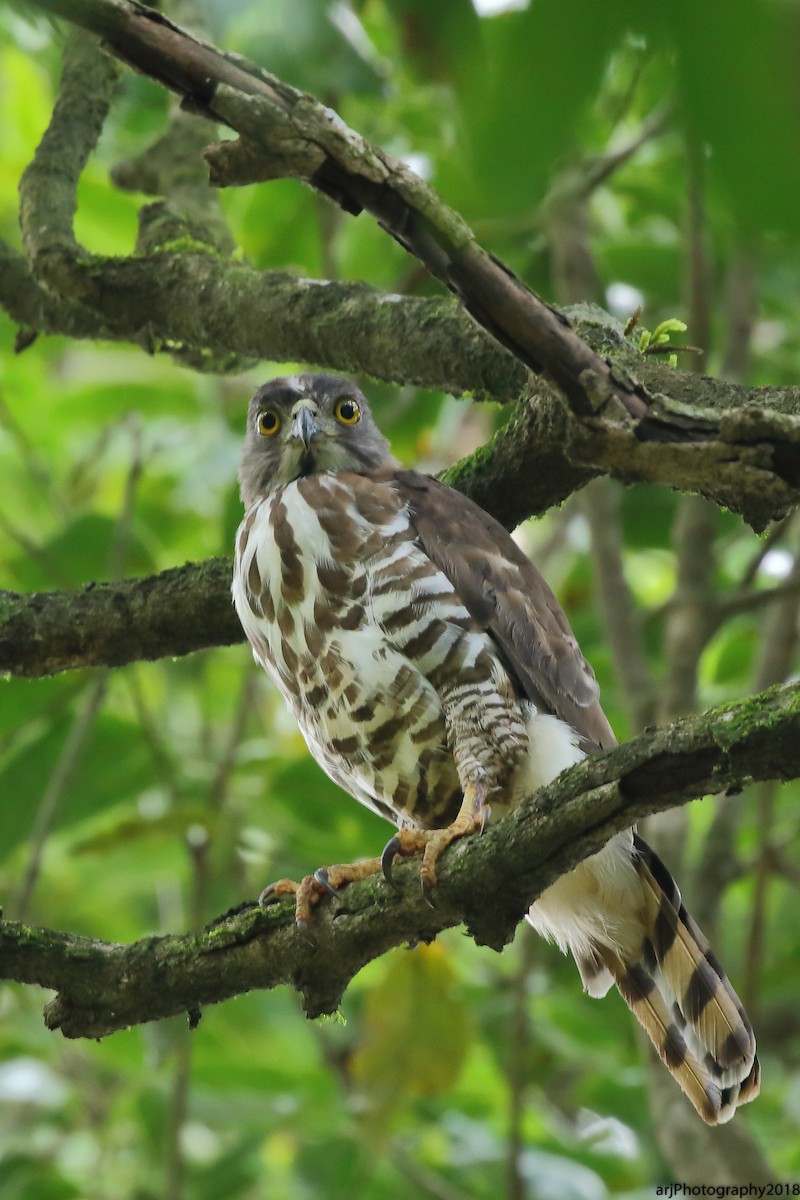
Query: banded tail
(621, 915)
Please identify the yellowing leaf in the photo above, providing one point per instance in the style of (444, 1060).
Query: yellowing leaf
(416, 1028)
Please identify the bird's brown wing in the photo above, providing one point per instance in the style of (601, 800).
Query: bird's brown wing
(505, 593)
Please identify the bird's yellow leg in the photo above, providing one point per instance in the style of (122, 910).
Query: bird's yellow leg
(324, 882)
(472, 817)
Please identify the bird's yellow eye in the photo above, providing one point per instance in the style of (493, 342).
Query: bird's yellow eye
(268, 422)
(347, 411)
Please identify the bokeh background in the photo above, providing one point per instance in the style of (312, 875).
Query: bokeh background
(633, 155)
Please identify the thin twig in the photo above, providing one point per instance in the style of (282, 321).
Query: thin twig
(751, 601)
(32, 459)
(718, 864)
(687, 628)
(35, 552)
(754, 957)
(699, 307)
(57, 784)
(425, 1181)
(779, 641)
(84, 720)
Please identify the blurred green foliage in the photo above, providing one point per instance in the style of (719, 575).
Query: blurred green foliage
(193, 787)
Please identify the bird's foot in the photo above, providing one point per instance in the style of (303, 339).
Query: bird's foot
(325, 881)
(473, 817)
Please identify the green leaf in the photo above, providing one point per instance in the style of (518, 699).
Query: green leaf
(544, 65)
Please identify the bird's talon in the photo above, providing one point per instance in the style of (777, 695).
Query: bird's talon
(427, 878)
(266, 896)
(321, 878)
(391, 848)
(274, 891)
(306, 930)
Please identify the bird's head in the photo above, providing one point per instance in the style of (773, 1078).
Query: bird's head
(304, 425)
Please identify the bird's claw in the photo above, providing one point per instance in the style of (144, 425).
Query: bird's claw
(321, 876)
(273, 891)
(306, 894)
(391, 848)
(473, 817)
(325, 881)
(427, 880)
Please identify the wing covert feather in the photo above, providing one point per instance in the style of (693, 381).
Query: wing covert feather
(505, 593)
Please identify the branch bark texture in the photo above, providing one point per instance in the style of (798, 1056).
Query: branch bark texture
(108, 624)
(486, 883)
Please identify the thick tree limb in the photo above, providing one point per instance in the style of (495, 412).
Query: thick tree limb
(749, 461)
(152, 301)
(486, 883)
(109, 624)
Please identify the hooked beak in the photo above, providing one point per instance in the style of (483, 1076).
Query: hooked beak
(304, 421)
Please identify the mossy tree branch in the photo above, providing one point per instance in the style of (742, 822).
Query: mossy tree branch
(746, 460)
(109, 624)
(486, 883)
(152, 301)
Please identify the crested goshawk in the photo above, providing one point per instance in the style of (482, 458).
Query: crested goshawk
(434, 675)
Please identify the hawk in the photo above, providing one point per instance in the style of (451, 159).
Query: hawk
(434, 677)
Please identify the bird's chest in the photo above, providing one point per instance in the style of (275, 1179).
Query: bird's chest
(337, 602)
(300, 579)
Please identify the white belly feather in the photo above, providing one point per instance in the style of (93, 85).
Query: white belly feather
(592, 903)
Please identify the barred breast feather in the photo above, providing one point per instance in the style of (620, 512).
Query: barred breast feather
(395, 686)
